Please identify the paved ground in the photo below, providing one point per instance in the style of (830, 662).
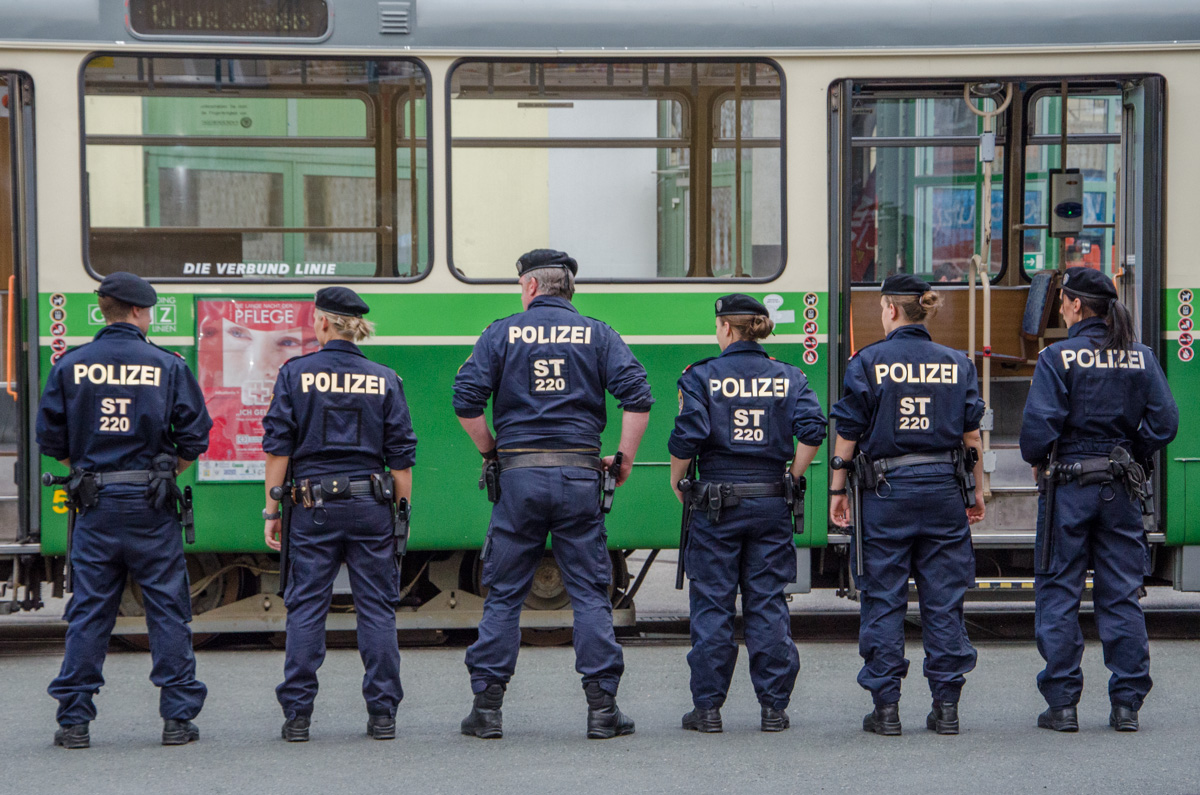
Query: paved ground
(545, 750)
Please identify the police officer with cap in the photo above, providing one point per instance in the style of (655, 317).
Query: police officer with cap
(745, 415)
(1098, 409)
(126, 416)
(546, 370)
(342, 423)
(911, 408)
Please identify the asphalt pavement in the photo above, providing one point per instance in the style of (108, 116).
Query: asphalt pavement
(545, 750)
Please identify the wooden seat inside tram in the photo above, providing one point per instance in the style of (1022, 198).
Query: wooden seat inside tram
(1020, 316)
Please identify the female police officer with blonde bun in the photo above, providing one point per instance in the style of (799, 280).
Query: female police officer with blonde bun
(341, 419)
(910, 407)
(741, 413)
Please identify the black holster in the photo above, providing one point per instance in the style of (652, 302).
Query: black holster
(712, 497)
(400, 526)
(964, 470)
(490, 480)
(793, 493)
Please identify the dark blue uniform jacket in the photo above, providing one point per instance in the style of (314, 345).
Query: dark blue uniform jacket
(118, 401)
(907, 394)
(1090, 400)
(548, 368)
(742, 411)
(337, 412)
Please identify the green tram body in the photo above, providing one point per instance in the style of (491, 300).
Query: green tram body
(426, 324)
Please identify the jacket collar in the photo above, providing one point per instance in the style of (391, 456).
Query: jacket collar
(916, 330)
(554, 301)
(744, 346)
(1085, 325)
(120, 330)
(343, 345)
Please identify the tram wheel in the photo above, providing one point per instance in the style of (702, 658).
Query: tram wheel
(223, 589)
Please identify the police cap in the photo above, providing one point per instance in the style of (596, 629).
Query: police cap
(1081, 282)
(904, 284)
(739, 304)
(341, 301)
(546, 258)
(128, 288)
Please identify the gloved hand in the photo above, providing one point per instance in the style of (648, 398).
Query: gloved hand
(161, 492)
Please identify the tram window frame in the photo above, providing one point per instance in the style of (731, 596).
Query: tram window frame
(391, 270)
(689, 120)
(884, 90)
(1036, 92)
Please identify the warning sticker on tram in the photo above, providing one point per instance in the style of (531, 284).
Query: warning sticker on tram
(810, 299)
(810, 357)
(54, 357)
(58, 315)
(810, 327)
(1185, 310)
(58, 330)
(58, 345)
(1185, 296)
(1186, 354)
(1185, 324)
(1185, 339)
(58, 299)
(810, 313)
(810, 342)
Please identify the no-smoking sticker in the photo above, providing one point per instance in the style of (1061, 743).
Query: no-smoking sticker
(58, 345)
(1186, 354)
(810, 357)
(810, 327)
(810, 342)
(1185, 339)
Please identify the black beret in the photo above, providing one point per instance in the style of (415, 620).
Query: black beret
(341, 301)
(128, 288)
(546, 258)
(1084, 282)
(904, 284)
(739, 304)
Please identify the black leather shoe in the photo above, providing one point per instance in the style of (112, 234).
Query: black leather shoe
(707, 721)
(943, 718)
(179, 732)
(604, 720)
(1123, 718)
(1060, 719)
(73, 736)
(295, 730)
(774, 720)
(885, 719)
(486, 721)
(381, 727)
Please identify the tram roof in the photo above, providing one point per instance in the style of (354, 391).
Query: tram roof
(675, 24)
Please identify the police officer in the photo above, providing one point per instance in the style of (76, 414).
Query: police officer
(127, 417)
(1099, 404)
(546, 370)
(741, 412)
(911, 408)
(339, 419)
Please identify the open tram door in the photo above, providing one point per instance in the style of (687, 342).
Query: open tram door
(924, 182)
(21, 567)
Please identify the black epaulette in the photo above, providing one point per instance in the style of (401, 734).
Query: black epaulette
(164, 350)
(873, 344)
(301, 356)
(693, 364)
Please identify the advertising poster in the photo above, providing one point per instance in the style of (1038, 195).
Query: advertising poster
(242, 344)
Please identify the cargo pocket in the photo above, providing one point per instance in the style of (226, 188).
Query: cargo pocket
(342, 427)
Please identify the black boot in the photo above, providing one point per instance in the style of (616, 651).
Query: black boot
(1123, 718)
(73, 736)
(295, 730)
(885, 719)
(179, 732)
(381, 727)
(1060, 719)
(707, 721)
(943, 718)
(604, 720)
(485, 720)
(774, 720)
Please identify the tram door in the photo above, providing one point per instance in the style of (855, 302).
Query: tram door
(16, 464)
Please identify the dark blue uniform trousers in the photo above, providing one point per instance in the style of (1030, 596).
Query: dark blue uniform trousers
(918, 527)
(357, 531)
(564, 502)
(751, 548)
(122, 535)
(1097, 526)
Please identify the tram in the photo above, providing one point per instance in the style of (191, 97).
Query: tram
(241, 154)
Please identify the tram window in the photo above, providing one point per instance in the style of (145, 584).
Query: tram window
(256, 168)
(1093, 147)
(916, 185)
(628, 166)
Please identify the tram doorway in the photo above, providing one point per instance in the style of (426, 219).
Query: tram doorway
(926, 184)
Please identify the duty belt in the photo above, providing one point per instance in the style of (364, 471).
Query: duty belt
(136, 476)
(524, 460)
(884, 465)
(712, 497)
(310, 491)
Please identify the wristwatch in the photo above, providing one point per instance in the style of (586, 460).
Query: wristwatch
(837, 492)
(277, 515)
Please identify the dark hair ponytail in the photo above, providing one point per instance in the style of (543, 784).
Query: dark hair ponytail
(1118, 320)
